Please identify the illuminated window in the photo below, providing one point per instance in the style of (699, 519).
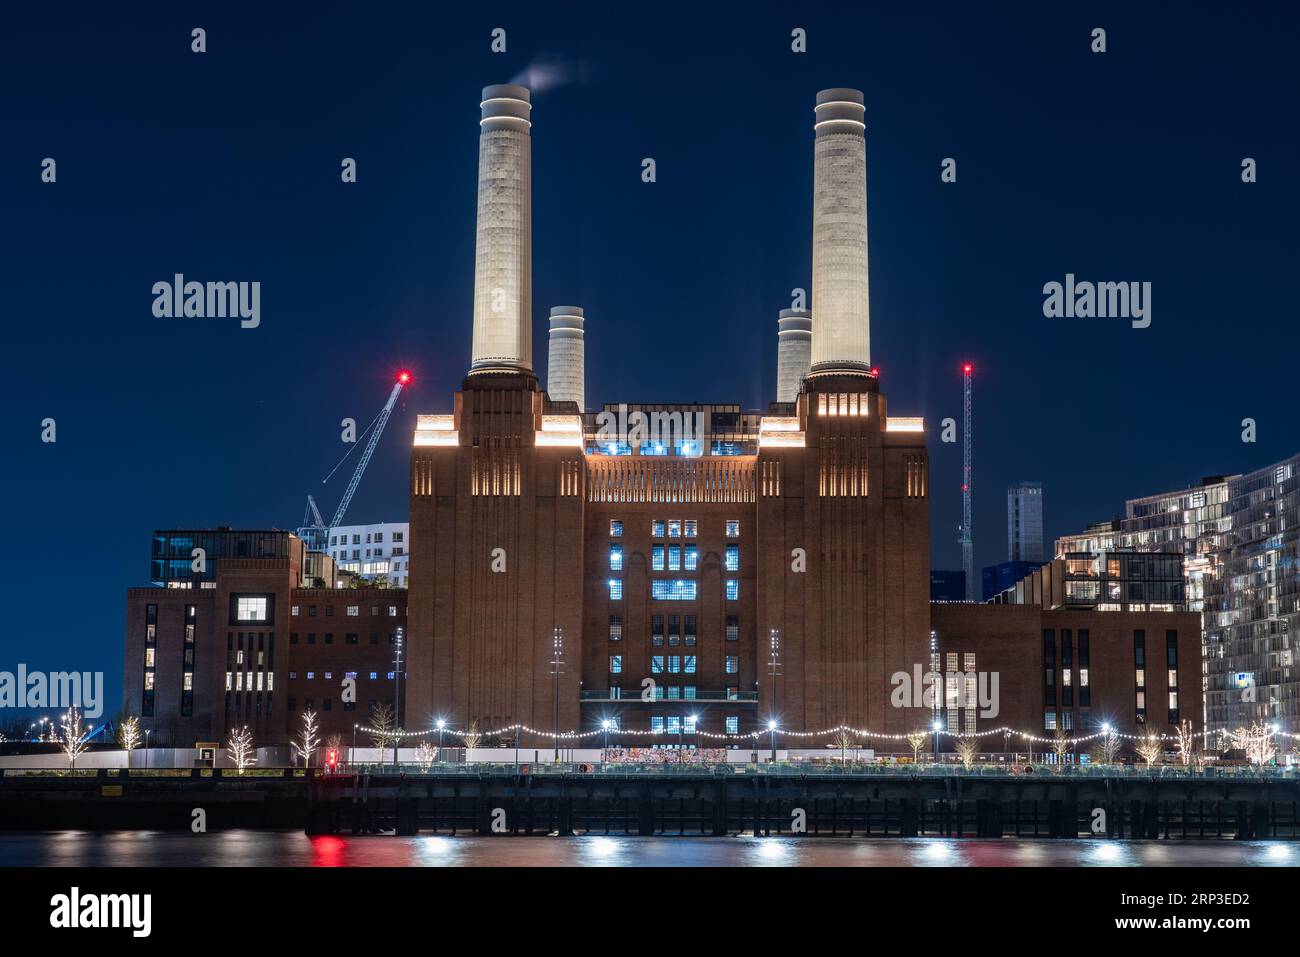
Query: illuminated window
(657, 528)
(674, 558)
(354, 611)
(657, 558)
(674, 723)
(733, 664)
(657, 664)
(689, 664)
(615, 627)
(674, 528)
(733, 589)
(615, 589)
(615, 529)
(674, 589)
(656, 723)
(733, 528)
(250, 608)
(692, 554)
(616, 558)
(674, 664)
(733, 724)
(616, 664)
(688, 724)
(733, 558)
(689, 528)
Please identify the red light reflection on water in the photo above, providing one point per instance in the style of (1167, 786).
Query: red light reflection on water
(328, 851)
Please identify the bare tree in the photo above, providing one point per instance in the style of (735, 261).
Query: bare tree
(240, 748)
(1062, 743)
(846, 741)
(917, 740)
(383, 727)
(967, 748)
(472, 735)
(128, 736)
(1186, 742)
(1150, 749)
(1110, 744)
(308, 739)
(75, 737)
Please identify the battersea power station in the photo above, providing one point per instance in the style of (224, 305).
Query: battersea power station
(740, 566)
(694, 569)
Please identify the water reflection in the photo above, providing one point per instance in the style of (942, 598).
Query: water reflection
(291, 848)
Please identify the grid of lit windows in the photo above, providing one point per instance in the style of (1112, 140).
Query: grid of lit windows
(733, 558)
(733, 589)
(615, 589)
(671, 589)
(616, 558)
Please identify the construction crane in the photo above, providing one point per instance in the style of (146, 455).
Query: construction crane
(316, 534)
(967, 544)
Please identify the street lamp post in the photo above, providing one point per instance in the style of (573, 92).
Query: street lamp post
(604, 726)
(934, 729)
(352, 755)
(771, 727)
(441, 727)
(556, 662)
(397, 694)
(146, 748)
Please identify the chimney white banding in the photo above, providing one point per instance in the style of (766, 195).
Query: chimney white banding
(793, 352)
(503, 253)
(841, 341)
(566, 358)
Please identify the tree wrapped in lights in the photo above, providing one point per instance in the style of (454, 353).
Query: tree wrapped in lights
(128, 736)
(967, 748)
(308, 739)
(425, 755)
(1186, 742)
(75, 737)
(240, 748)
(1150, 750)
(917, 740)
(1257, 742)
(472, 735)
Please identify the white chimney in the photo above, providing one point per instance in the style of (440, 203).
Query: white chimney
(841, 341)
(793, 352)
(503, 254)
(566, 359)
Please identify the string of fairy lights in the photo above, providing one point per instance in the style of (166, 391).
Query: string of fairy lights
(773, 729)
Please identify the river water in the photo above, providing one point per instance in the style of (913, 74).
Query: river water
(293, 848)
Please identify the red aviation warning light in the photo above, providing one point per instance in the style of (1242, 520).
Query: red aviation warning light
(404, 377)
(967, 368)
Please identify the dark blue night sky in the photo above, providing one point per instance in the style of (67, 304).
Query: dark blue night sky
(225, 166)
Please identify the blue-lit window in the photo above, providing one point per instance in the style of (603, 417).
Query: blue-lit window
(733, 665)
(657, 528)
(674, 558)
(374, 676)
(690, 665)
(733, 589)
(659, 693)
(674, 528)
(689, 692)
(688, 723)
(733, 528)
(728, 448)
(733, 724)
(674, 723)
(657, 664)
(674, 664)
(673, 589)
(615, 529)
(654, 448)
(616, 664)
(611, 448)
(615, 589)
(674, 693)
(688, 449)
(733, 558)
(690, 528)
(692, 557)
(657, 558)
(616, 558)
(656, 722)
